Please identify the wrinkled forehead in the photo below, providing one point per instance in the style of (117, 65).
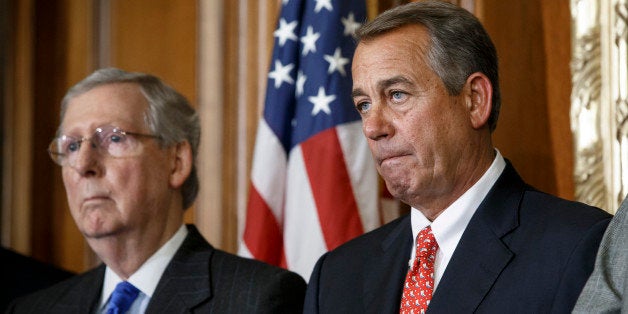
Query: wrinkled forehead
(402, 53)
(119, 104)
(409, 43)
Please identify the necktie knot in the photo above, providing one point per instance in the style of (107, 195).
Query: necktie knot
(122, 297)
(426, 245)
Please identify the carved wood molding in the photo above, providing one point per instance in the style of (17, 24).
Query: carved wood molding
(599, 101)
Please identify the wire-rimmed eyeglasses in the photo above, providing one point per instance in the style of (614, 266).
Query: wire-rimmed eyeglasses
(113, 141)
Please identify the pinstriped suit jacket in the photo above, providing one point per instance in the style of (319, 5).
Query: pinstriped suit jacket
(606, 290)
(199, 279)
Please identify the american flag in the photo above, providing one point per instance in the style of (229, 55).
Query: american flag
(313, 182)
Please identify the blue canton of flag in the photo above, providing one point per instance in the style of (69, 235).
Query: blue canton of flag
(309, 86)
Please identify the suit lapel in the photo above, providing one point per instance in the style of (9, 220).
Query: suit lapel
(90, 290)
(481, 255)
(385, 272)
(185, 282)
(80, 296)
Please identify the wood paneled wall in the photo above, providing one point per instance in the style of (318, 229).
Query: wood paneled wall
(533, 44)
(157, 37)
(221, 66)
(48, 52)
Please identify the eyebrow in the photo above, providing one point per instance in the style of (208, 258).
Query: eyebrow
(381, 85)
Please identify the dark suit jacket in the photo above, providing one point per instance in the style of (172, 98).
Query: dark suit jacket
(199, 279)
(523, 251)
(21, 275)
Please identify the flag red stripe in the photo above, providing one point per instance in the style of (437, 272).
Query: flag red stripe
(262, 233)
(331, 187)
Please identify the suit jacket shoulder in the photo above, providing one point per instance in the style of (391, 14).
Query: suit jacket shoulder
(78, 294)
(203, 279)
(364, 275)
(248, 286)
(607, 288)
(523, 251)
(22, 275)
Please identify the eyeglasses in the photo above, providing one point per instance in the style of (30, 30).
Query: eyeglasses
(64, 150)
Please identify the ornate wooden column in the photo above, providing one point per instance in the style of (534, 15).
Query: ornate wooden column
(599, 105)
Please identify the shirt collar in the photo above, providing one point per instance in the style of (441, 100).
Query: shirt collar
(148, 275)
(451, 223)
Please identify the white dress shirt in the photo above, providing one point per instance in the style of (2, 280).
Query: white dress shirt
(451, 223)
(146, 277)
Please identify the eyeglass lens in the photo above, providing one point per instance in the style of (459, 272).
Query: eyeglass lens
(115, 142)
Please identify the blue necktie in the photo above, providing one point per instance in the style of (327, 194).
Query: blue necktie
(122, 298)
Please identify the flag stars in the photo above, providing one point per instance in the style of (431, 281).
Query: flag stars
(301, 78)
(337, 62)
(286, 31)
(281, 74)
(350, 25)
(321, 102)
(320, 4)
(309, 40)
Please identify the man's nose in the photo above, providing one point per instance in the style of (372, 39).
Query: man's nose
(377, 125)
(86, 161)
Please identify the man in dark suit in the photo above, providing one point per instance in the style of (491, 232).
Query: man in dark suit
(425, 81)
(127, 145)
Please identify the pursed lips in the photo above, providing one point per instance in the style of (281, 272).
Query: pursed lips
(391, 157)
(95, 198)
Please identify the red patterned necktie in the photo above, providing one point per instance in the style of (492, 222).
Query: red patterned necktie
(417, 290)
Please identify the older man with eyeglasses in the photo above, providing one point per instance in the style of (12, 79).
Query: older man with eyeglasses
(127, 145)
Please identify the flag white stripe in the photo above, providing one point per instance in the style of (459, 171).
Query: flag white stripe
(360, 166)
(269, 169)
(303, 236)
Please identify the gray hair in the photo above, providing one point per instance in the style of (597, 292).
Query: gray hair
(460, 46)
(169, 114)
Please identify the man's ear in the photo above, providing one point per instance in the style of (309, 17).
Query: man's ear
(480, 99)
(181, 164)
